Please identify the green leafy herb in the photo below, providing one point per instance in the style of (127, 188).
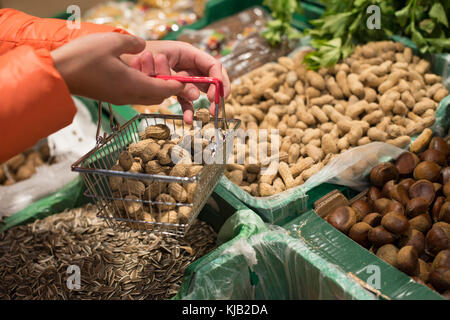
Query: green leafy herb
(280, 28)
(344, 24)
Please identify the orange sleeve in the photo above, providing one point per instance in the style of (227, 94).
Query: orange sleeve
(18, 28)
(34, 99)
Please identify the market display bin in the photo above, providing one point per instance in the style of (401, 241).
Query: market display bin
(339, 250)
(256, 261)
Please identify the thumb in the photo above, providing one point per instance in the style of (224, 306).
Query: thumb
(125, 43)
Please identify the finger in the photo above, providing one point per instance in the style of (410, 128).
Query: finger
(143, 89)
(125, 43)
(190, 91)
(135, 63)
(162, 65)
(147, 63)
(188, 109)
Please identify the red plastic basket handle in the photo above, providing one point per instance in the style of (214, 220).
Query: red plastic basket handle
(211, 80)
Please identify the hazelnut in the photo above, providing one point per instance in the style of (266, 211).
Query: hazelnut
(342, 218)
(395, 222)
(379, 236)
(416, 206)
(388, 253)
(444, 213)
(359, 233)
(408, 260)
(422, 222)
(407, 183)
(423, 189)
(361, 208)
(438, 238)
(414, 238)
(382, 173)
(427, 170)
(437, 208)
(434, 156)
(440, 144)
(373, 219)
(406, 163)
(440, 279)
(399, 193)
(442, 259)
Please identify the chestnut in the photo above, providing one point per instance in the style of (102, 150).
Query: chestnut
(387, 188)
(388, 253)
(422, 222)
(361, 208)
(446, 189)
(373, 219)
(445, 174)
(442, 259)
(440, 279)
(427, 170)
(414, 238)
(416, 206)
(437, 208)
(359, 233)
(373, 194)
(446, 294)
(379, 236)
(437, 187)
(406, 163)
(382, 173)
(423, 189)
(440, 145)
(438, 238)
(444, 213)
(342, 218)
(380, 205)
(424, 270)
(395, 223)
(434, 156)
(399, 193)
(408, 260)
(395, 206)
(407, 183)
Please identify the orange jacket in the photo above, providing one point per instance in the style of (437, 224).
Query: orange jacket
(34, 99)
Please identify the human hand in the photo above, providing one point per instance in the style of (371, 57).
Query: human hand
(91, 67)
(180, 58)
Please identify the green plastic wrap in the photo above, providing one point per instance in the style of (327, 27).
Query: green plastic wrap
(256, 262)
(337, 249)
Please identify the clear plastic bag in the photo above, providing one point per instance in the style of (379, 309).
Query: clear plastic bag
(353, 166)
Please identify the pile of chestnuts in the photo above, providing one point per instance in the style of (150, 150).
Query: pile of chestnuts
(405, 216)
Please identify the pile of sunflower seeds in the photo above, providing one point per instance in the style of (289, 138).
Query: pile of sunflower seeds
(35, 259)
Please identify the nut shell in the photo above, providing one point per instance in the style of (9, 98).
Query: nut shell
(342, 218)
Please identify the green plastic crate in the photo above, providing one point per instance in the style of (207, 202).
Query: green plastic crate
(338, 249)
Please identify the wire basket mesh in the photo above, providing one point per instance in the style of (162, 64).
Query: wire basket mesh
(148, 202)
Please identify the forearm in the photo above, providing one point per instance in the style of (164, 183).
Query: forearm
(18, 28)
(35, 100)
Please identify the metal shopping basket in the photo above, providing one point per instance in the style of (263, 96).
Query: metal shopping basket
(138, 202)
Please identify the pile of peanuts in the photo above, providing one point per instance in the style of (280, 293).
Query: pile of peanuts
(153, 155)
(23, 166)
(382, 92)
